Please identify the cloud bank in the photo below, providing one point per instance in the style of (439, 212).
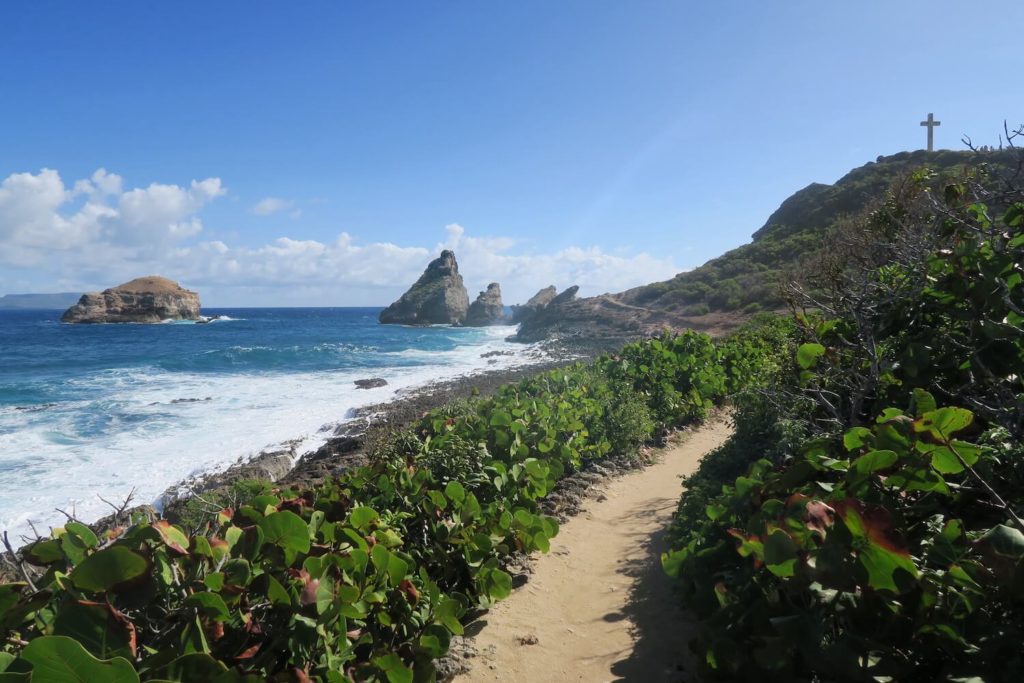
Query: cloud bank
(95, 233)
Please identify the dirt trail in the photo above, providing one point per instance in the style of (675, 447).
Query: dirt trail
(598, 607)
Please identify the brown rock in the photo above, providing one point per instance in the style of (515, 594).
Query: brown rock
(438, 298)
(150, 299)
(487, 309)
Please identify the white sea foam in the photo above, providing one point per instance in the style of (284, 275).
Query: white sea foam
(148, 442)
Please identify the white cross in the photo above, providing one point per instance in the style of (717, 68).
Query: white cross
(931, 123)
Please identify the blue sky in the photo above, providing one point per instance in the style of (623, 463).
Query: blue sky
(603, 142)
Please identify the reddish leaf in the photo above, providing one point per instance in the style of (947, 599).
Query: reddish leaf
(819, 517)
(301, 676)
(174, 538)
(308, 596)
(407, 587)
(249, 652)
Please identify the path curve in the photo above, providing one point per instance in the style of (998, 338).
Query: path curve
(598, 606)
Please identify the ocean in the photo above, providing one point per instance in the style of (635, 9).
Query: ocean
(97, 410)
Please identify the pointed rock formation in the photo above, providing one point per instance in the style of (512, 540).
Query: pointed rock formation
(149, 299)
(438, 298)
(487, 309)
(536, 303)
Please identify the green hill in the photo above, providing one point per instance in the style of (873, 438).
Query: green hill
(746, 278)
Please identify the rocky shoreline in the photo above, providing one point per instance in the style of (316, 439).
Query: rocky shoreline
(346, 447)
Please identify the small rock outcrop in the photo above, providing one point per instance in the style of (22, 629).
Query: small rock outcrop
(150, 299)
(438, 298)
(487, 309)
(564, 298)
(535, 303)
(372, 383)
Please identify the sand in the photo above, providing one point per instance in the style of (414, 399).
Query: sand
(598, 606)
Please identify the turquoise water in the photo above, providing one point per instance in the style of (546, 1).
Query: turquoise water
(95, 410)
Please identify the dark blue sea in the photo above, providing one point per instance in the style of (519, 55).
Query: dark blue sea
(97, 410)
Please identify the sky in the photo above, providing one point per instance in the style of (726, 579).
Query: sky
(321, 153)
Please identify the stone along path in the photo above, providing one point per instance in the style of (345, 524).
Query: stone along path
(598, 607)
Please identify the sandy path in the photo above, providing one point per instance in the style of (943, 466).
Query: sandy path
(599, 606)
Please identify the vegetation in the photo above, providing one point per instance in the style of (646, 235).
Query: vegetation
(366, 577)
(751, 277)
(862, 523)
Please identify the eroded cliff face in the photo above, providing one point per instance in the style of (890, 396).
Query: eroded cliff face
(536, 302)
(488, 308)
(439, 297)
(143, 300)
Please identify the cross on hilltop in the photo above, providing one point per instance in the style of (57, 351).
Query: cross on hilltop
(931, 123)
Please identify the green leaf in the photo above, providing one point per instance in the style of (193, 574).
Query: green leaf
(924, 402)
(807, 355)
(780, 553)
(362, 517)
(448, 613)
(394, 668)
(108, 569)
(96, 627)
(287, 530)
(944, 422)
(59, 659)
(1005, 540)
(172, 536)
(455, 492)
(197, 667)
(500, 418)
(76, 540)
(857, 438)
(874, 461)
(209, 605)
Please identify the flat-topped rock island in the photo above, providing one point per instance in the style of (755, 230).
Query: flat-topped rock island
(151, 299)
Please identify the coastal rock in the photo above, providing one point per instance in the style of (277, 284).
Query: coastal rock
(487, 309)
(564, 298)
(150, 299)
(535, 303)
(439, 297)
(371, 383)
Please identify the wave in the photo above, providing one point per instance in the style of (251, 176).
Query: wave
(148, 427)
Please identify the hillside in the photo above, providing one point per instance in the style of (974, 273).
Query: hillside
(747, 277)
(719, 295)
(60, 300)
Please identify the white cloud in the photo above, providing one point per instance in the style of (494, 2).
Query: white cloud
(271, 205)
(97, 234)
(34, 212)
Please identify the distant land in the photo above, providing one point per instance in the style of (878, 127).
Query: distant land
(59, 300)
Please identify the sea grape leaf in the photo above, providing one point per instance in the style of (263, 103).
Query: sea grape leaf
(500, 418)
(287, 530)
(874, 461)
(209, 605)
(857, 437)
(394, 668)
(944, 422)
(76, 540)
(10, 593)
(96, 627)
(455, 492)
(172, 536)
(884, 551)
(447, 613)
(197, 667)
(780, 553)
(1005, 540)
(924, 402)
(109, 568)
(44, 552)
(362, 517)
(59, 659)
(807, 355)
